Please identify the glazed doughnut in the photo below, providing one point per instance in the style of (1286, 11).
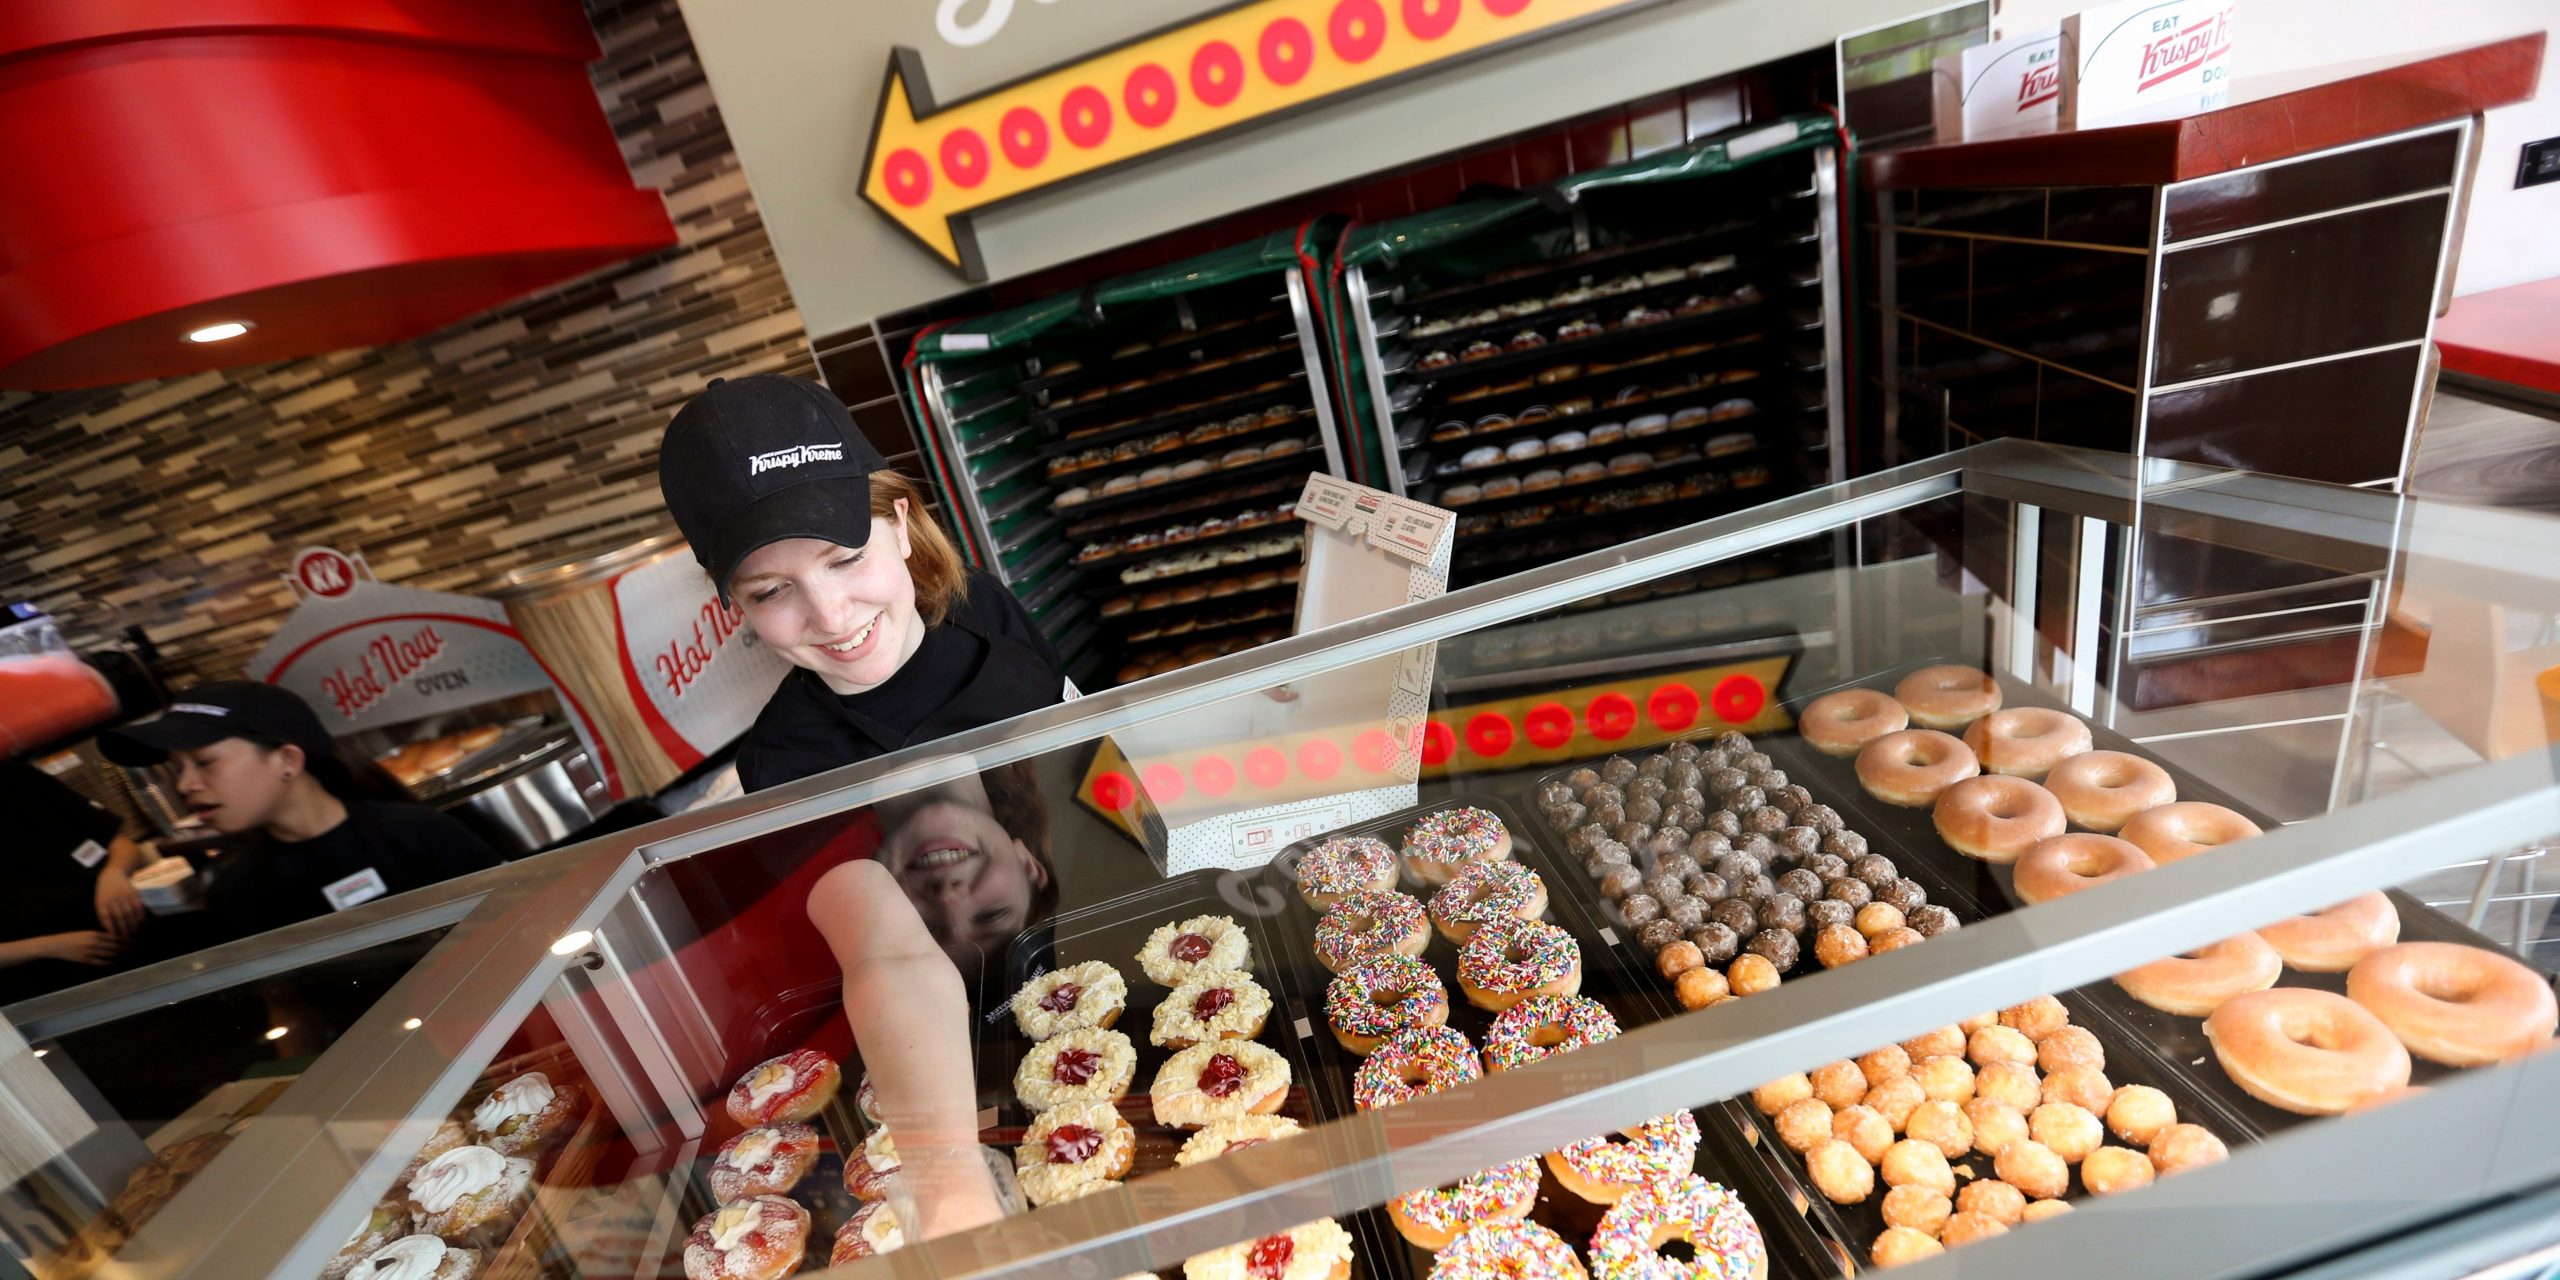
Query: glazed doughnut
(2138, 1113)
(1173, 951)
(1090, 994)
(1805, 1125)
(1947, 697)
(1912, 767)
(1071, 1146)
(1091, 1065)
(2039, 1017)
(1381, 997)
(759, 1239)
(1506, 1249)
(1442, 842)
(1542, 1026)
(1484, 892)
(1723, 1240)
(1603, 1171)
(2109, 1170)
(1965, 1228)
(2084, 1087)
(1506, 962)
(2033, 1168)
(1998, 1043)
(2193, 985)
(1211, 1004)
(1217, 1081)
(2012, 1084)
(795, 1086)
(1864, 1128)
(1993, 1199)
(2067, 864)
(2026, 742)
(1899, 1246)
(1343, 865)
(1431, 1218)
(1914, 1163)
(1996, 818)
(1941, 1125)
(2313, 1052)
(1367, 924)
(2100, 790)
(1996, 1124)
(2070, 1131)
(2457, 1005)
(1839, 723)
(2185, 829)
(1219, 1137)
(2185, 1146)
(2070, 1047)
(1840, 1173)
(1917, 1208)
(764, 1161)
(1318, 1250)
(2333, 939)
(1417, 1064)
(870, 1165)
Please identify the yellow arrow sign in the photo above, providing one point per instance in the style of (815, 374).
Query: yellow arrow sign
(931, 166)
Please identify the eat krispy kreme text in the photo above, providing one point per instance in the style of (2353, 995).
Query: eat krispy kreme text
(385, 661)
(685, 659)
(2041, 83)
(2179, 52)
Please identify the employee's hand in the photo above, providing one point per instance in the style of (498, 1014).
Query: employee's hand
(84, 946)
(119, 907)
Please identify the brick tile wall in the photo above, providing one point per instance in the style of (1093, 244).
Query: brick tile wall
(522, 435)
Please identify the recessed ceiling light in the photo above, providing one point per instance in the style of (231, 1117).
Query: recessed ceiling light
(573, 943)
(42, 1052)
(278, 1033)
(412, 1024)
(218, 332)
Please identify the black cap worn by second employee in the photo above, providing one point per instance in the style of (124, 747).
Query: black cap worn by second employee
(209, 713)
(752, 461)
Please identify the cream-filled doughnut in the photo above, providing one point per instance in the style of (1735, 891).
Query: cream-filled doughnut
(1996, 818)
(1913, 767)
(2313, 1052)
(1840, 722)
(2461, 1006)
(2069, 863)
(2102, 790)
(2196, 984)
(2185, 829)
(2332, 939)
(1947, 697)
(2026, 742)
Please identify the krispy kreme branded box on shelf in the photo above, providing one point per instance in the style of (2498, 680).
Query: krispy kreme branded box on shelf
(2145, 60)
(2009, 86)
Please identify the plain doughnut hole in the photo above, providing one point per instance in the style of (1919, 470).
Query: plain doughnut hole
(2005, 810)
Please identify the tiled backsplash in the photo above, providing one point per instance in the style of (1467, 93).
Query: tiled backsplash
(528, 433)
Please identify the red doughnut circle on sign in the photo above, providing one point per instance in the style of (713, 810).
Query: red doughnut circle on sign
(1739, 698)
(908, 176)
(1612, 716)
(1356, 29)
(1489, 734)
(1264, 767)
(1319, 759)
(1217, 73)
(1504, 8)
(1114, 790)
(1549, 725)
(1024, 134)
(1085, 116)
(1430, 19)
(1439, 742)
(1288, 50)
(1673, 707)
(1149, 95)
(1375, 751)
(1163, 783)
(964, 158)
(1213, 775)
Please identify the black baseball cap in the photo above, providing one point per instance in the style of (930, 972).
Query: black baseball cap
(752, 461)
(209, 713)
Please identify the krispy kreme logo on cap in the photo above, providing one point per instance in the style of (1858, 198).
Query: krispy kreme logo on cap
(197, 709)
(796, 455)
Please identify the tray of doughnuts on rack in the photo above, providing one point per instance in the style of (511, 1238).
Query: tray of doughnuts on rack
(1359, 989)
(2176, 813)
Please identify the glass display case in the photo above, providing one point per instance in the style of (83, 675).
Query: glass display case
(2231, 1039)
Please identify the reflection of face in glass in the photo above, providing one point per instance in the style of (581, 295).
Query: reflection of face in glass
(975, 883)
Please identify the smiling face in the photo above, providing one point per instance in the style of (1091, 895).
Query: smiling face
(235, 784)
(972, 881)
(846, 613)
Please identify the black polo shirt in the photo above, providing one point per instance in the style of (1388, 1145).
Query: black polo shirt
(56, 844)
(270, 883)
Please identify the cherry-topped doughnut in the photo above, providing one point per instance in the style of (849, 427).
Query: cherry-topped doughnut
(2461, 1006)
(2026, 742)
(1217, 1080)
(1840, 722)
(1947, 697)
(758, 1239)
(1318, 1250)
(1088, 1065)
(795, 1086)
(1212, 1004)
(2102, 790)
(1072, 1146)
(1174, 951)
(1090, 994)
(2184, 829)
(2069, 863)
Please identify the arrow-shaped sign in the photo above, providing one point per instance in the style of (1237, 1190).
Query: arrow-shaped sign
(931, 166)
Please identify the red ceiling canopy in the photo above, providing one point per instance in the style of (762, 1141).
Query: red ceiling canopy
(331, 173)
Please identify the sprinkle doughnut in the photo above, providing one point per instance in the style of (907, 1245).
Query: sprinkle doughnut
(2185, 829)
(1432, 1218)
(1343, 865)
(1947, 697)
(1840, 722)
(758, 1239)
(869, 1167)
(1222, 1136)
(1504, 1249)
(1318, 1250)
(2313, 1052)
(2100, 790)
(795, 1086)
(1368, 924)
(1484, 892)
(2026, 742)
(1507, 962)
(2333, 939)
(1091, 1065)
(2197, 983)
(763, 1161)
(1381, 997)
(1603, 1171)
(1217, 1081)
(1090, 994)
(1071, 1146)
(1442, 842)
(1174, 951)
(2457, 1005)
(1996, 818)
(1212, 1004)
(1417, 1064)
(1540, 1027)
(1725, 1241)
(2067, 864)
(1909, 769)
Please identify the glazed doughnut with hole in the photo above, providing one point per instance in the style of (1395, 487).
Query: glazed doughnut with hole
(2069, 863)
(1947, 697)
(2185, 829)
(2312, 1052)
(1911, 768)
(2026, 742)
(2102, 790)
(2331, 940)
(1841, 722)
(2197, 983)
(1996, 819)
(2461, 1006)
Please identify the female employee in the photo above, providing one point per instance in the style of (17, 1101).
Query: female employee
(254, 759)
(837, 566)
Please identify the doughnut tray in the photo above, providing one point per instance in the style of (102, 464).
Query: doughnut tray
(1612, 972)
